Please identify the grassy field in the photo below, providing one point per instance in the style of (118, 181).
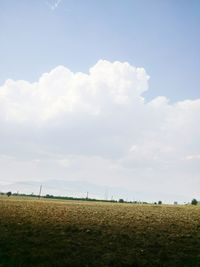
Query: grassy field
(71, 233)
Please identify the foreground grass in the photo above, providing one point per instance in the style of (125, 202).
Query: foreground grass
(52, 233)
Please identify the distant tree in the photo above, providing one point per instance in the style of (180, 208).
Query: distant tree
(121, 200)
(194, 202)
(159, 202)
(49, 196)
(9, 194)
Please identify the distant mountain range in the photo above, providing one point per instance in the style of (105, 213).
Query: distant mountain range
(80, 189)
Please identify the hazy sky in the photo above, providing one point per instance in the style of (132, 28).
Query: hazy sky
(101, 91)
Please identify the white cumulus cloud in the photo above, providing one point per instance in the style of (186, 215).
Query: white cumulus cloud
(97, 126)
(64, 92)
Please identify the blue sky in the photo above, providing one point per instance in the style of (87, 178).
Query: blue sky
(161, 36)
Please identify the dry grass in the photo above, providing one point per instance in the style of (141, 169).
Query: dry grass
(72, 233)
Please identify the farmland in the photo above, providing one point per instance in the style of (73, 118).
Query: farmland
(74, 233)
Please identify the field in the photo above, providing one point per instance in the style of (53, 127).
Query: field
(70, 233)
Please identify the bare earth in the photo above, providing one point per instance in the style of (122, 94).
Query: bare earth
(70, 233)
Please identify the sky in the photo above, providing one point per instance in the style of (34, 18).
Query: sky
(105, 92)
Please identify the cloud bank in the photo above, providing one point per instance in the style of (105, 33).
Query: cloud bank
(98, 127)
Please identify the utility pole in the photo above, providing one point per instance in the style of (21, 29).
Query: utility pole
(87, 195)
(106, 194)
(40, 191)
